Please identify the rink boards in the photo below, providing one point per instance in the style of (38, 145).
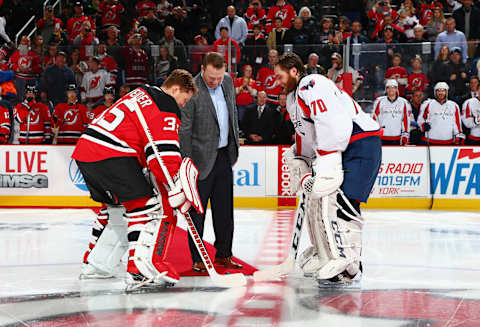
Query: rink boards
(410, 177)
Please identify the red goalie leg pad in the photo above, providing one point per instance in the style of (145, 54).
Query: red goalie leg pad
(98, 227)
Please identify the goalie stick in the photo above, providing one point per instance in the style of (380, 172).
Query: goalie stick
(225, 281)
(288, 265)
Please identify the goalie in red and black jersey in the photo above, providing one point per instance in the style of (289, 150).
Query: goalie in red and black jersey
(111, 155)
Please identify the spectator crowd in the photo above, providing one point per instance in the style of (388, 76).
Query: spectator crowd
(414, 64)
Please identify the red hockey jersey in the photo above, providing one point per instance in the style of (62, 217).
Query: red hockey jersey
(417, 81)
(109, 64)
(71, 121)
(4, 125)
(255, 18)
(118, 132)
(267, 82)
(286, 12)
(27, 66)
(74, 25)
(426, 11)
(143, 6)
(136, 66)
(399, 74)
(96, 111)
(34, 121)
(111, 14)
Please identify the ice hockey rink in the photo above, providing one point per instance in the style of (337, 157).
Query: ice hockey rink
(420, 269)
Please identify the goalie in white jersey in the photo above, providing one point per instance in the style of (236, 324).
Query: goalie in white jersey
(471, 119)
(335, 162)
(393, 113)
(440, 119)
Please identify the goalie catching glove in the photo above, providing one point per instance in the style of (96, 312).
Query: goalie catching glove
(184, 194)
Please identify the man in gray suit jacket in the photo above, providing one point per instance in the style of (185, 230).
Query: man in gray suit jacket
(209, 136)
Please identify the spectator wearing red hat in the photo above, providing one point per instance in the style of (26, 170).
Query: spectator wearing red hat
(245, 90)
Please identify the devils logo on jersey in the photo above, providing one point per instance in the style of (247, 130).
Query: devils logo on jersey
(94, 82)
(70, 117)
(282, 13)
(270, 82)
(24, 62)
(34, 116)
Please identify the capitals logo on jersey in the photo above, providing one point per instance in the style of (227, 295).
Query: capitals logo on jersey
(307, 86)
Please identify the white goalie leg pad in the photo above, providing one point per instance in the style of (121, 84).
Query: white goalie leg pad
(337, 242)
(111, 245)
(298, 166)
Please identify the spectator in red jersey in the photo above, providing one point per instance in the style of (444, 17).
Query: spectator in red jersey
(398, 73)
(345, 26)
(378, 12)
(33, 119)
(111, 11)
(47, 24)
(5, 123)
(276, 37)
(266, 79)
(417, 79)
(427, 10)
(222, 46)
(280, 9)
(197, 52)
(255, 15)
(144, 6)
(136, 62)
(70, 118)
(75, 23)
(86, 41)
(154, 26)
(255, 48)
(399, 33)
(105, 103)
(106, 62)
(26, 64)
(245, 90)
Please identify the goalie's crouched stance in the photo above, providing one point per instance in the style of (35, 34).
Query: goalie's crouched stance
(334, 185)
(138, 215)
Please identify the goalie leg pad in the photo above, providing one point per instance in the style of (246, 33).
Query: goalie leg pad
(98, 226)
(111, 245)
(337, 242)
(151, 225)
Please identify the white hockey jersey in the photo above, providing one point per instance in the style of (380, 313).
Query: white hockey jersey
(444, 120)
(471, 117)
(393, 117)
(94, 83)
(329, 119)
